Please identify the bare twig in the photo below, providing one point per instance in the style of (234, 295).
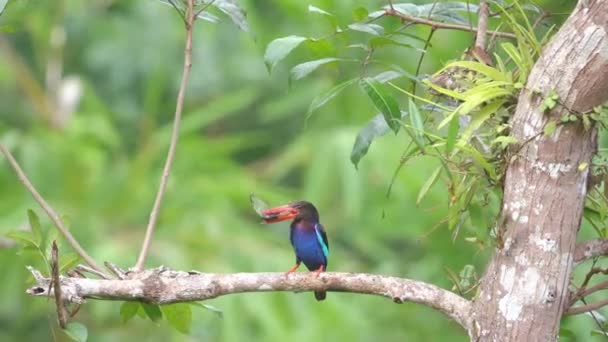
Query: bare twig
(590, 249)
(584, 292)
(49, 210)
(586, 308)
(203, 9)
(117, 271)
(61, 314)
(83, 268)
(174, 137)
(163, 286)
(482, 25)
(447, 26)
(479, 51)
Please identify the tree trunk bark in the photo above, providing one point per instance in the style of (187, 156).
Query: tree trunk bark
(525, 289)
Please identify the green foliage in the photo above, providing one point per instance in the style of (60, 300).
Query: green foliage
(128, 310)
(152, 311)
(549, 102)
(76, 331)
(179, 316)
(383, 100)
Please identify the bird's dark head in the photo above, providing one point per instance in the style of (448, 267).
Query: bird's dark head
(300, 210)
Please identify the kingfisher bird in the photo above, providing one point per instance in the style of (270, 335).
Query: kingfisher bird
(307, 236)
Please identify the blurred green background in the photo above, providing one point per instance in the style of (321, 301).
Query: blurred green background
(87, 96)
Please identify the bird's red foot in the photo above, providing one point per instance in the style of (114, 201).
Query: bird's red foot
(291, 270)
(319, 270)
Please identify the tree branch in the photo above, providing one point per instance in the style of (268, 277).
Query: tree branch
(482, 26)
(586, 308)
(174, 137)
(49, 210)
(590, 249)
(440, 25)
(164, 286)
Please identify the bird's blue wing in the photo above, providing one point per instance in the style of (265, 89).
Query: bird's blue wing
(322, 238)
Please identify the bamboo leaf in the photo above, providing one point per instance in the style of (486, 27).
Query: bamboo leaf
(428, 184)
(416, 122)
(453, 129)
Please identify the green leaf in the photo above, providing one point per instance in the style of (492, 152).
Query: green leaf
(416, 121)
(209, 307)
(567, 333)
(76, 331)
(390, 75)
(68, 261)
(3, 5)
(453, 129)
(596, 332)
(428, 184)
(302, 70)
(373, 29)
(128, 310)
(280, 48)
(314, 9)
(323, 98)
(153, 312)
(504, 141)
(383, 100)
(179, 316)
(234, 11)
(360, 14)
(375, 128)
(24, 237)
(479, 117)
(549, 128)
(35, 225)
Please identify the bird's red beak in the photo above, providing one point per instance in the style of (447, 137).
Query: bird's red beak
(277, 214)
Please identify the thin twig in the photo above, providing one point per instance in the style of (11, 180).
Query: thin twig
(117, 271)
(179, 11)
(61, 314)
(83, 268)
(174, 137)
(586, 308)
(440, 25)
(587, 291)
(203, 9)
(49, 210)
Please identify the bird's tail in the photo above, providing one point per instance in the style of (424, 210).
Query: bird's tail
(320, 295)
